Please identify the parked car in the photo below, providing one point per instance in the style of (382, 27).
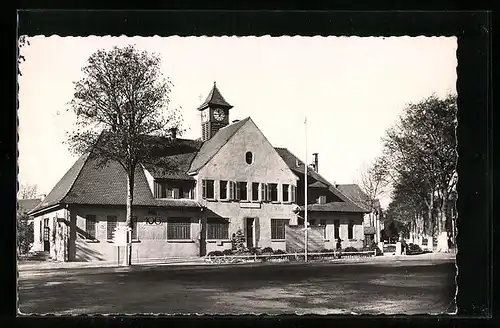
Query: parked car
(414, 249)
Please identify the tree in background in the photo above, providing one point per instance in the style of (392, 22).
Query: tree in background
(27, 191)
(25, 233)
(420, 155)
(120, 102)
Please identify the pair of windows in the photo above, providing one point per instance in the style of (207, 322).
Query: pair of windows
(111, 224)
(231, 190)
(350, 229)
(172, 190)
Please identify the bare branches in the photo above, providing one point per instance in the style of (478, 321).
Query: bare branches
(27, 191)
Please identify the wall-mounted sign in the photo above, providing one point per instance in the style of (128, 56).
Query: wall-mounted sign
(153, 220)
(250, 205)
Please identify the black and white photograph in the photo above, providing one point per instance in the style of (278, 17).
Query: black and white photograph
(237, 175)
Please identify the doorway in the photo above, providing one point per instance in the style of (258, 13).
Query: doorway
(46, 235)
(249, 232)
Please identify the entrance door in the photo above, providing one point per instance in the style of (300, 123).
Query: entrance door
(249, 232)
(46, 234)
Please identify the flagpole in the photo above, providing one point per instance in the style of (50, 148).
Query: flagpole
(306, 224)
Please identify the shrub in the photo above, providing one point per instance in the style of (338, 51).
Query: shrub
(254, 251)
(215, 253)
(326, 250)
(373, 247)
(25, 234)
(267, 250)
(238, 241)
(279, 251)
(350, 249)
(227, 252)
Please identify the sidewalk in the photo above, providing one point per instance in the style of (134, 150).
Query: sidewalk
(49, 265)
(52, 265)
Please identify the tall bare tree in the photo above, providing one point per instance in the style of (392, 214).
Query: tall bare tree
(120, 102)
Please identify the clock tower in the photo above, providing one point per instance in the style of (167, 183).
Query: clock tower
(214, 114)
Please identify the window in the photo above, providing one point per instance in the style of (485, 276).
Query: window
(322, 200)
(249, 157)
(162, 190)
(323, 223)
(273, 190)
(278, 228)
(312, 222)
(223, 189)
(350, 230)
(336, 224)
(294, 192)
(90, 224)
(208, 189)
(241, 190)
(134, 228)
(110, 226)
(179, 229)
(286, 191)
(217, 228)
(255, 191)
(264, 192)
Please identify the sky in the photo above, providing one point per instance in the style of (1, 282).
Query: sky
(351, 89)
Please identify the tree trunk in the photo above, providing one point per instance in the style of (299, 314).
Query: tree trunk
(128, 220)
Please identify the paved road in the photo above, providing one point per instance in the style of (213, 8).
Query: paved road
(407, 287)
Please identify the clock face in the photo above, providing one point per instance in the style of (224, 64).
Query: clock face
(204, 115)
(219, 114)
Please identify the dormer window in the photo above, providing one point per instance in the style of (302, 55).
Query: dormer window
(322, 200)
(173, 190)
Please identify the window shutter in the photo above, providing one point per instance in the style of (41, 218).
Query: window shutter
(237, 191)
(293, 190)
(268, 192)
(204, 188)
(263, 193)
(176, 193)
(231, 190)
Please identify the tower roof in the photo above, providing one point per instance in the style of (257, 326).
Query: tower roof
(215, 99)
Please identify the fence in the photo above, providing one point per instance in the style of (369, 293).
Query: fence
(287, 257)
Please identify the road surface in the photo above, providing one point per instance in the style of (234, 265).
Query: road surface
(396, 287)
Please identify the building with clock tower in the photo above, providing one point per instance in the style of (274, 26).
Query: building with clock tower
(214, 114)
(194, 196)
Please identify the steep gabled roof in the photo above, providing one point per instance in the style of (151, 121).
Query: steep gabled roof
(26, 205)
(90, 182)
(215, 99)
(62, 188)
(298, 167)
(213, 145)
(107, 185)
(354, 192)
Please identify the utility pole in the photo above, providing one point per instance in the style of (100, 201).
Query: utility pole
(306, 223)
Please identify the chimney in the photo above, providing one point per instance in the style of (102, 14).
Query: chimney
(173, 133)
(315, 162)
